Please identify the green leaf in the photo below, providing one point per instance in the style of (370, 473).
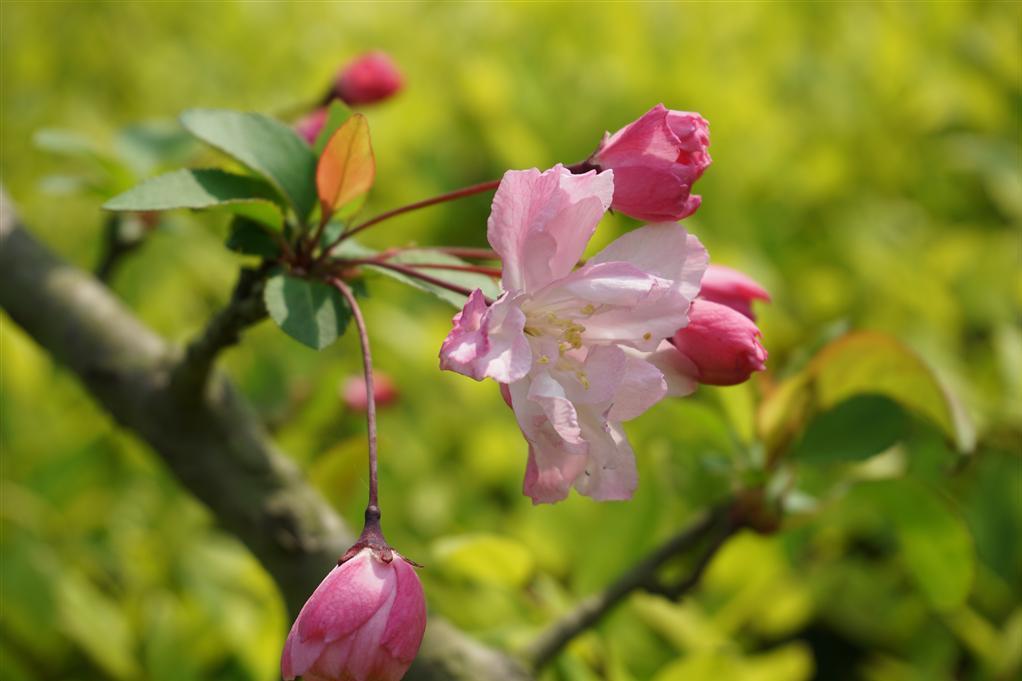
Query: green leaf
(485, 558)
(96, 623)
(208, 188)
(251, 238)
(936, 547)
(869, 362)
(855, 429)
(309, 311)
(467, 280)
(335, 116)
(146, 147)
(265, 145)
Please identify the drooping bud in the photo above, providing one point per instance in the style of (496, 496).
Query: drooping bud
(732, 288)
(372, 77)
(722, 343)
(353, 391)
(364, 622)
(310, 125)
(656, 160)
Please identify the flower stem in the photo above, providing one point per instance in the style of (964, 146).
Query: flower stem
(415, 274)
(449, 196)
(373, 508)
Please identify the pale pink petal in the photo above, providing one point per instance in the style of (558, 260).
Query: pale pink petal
(554, 462)
(642, 385)
(598, 378)
(560, 414)
(678, 370)
(540, 223)
(488, 342)
(665, 250)
(610, 473)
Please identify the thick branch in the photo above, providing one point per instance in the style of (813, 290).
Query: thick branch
(717, 525)
(213, 443)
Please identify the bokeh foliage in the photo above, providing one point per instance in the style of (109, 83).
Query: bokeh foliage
(866, 170)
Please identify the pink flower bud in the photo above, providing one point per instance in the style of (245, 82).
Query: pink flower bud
(721, 342)
(309, 125)
(364, 622)
(353, 391)
(370, 78)
(732, 288)
(656, 160)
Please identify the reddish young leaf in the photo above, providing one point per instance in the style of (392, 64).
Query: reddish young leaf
(347, 166)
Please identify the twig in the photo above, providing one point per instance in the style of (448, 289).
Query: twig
(717, 524)
(224, 329)
(116, 245)
(410, 272)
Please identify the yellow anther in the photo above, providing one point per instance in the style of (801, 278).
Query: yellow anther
(543, 359)
(647, 335)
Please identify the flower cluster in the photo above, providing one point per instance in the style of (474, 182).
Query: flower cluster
(580, 349)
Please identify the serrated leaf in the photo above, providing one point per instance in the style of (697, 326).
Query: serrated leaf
(263, 144)
(311, 312)
(251, 238)
(936, 547)
(346, 168)
(196, 189)
(337, 114)
(853, 430)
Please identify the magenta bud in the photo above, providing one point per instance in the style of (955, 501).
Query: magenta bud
(722, 344)
(310, 125)
(732, 288)
(353, 391)
(364, 622)
(372, 77)
(656, 160)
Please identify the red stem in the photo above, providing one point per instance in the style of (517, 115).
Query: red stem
(411, 272)
(373, 509)
(450, 196)
(479, 269)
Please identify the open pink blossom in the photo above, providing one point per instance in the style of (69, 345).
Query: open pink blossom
(571, 345)
(656, 160)
(364, 622)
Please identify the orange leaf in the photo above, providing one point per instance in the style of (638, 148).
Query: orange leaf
(347, 166)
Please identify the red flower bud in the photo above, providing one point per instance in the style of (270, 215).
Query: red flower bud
(370, 78)
(732, 288)
(353, 391)
(364, 622)
(656, 160)
(721, 342)
(310, 125)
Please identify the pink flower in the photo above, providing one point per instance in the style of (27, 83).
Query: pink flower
(364, 622)
(353, 391)
(656, 160)
(372, 77)
(309, 125)
(568, 343)
(721, 343)
(732, 288)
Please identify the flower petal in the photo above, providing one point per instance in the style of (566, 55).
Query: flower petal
(540, 223)
(678, 370)
(642, 385)
(488, 342)
(730, 287)
(610, 473)
(662, 249)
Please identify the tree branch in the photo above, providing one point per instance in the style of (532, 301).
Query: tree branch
(212, 442)
(717, 525)
(245, 309)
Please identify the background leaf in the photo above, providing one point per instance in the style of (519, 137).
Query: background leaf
(251, 238)
(855, 429)
(309, 311)
(264, 145)
(346, 168)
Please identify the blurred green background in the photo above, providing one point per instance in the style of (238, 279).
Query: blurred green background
(866, 170)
